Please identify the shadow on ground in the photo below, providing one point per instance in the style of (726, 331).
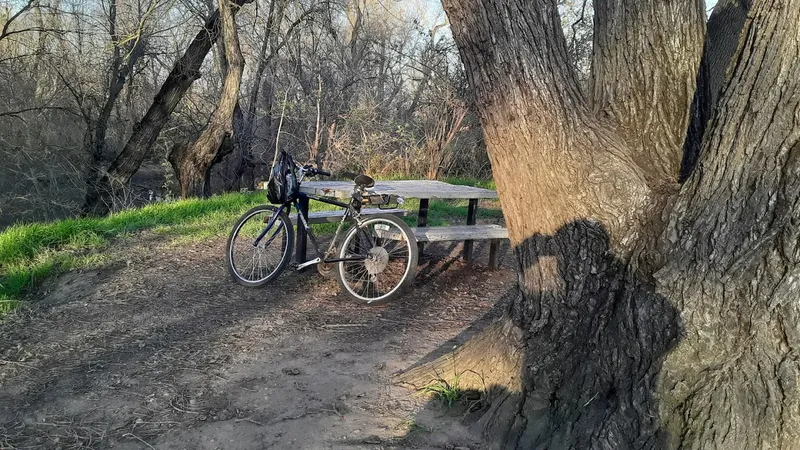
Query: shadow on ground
(162, 350)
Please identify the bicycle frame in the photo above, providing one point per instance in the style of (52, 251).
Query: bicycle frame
(350, 212)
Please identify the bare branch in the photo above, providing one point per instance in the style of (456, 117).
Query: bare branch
(37, 108)
(575, 24)
(4, 33)
(27, 30)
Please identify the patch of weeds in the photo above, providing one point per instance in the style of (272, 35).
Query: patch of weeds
(7, 305)
(448, 392)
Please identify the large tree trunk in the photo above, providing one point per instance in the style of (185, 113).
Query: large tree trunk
(192, 163)
(733, 252)
(109, 182)
(620, 338)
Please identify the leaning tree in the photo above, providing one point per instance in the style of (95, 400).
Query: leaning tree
(651, 313)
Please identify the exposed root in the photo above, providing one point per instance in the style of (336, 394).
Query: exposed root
(490, 359)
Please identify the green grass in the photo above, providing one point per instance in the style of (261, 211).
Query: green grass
(451, 212)
(31, 252)
(447, 392)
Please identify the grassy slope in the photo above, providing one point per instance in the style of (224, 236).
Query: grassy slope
(30, 252)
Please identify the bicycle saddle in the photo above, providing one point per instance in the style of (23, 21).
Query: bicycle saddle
(364, 181)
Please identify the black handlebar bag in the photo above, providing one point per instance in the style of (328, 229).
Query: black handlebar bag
(283, 186)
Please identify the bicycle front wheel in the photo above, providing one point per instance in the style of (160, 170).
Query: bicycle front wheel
(259, 246)
(381, 258)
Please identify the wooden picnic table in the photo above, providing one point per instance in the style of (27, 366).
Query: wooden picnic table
(424, 190)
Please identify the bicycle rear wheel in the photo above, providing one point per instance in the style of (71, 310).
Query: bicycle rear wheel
(383, 259)
(257, 252)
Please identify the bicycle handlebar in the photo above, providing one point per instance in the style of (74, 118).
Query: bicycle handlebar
(312, 171)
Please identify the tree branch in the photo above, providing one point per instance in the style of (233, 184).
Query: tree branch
(528, 43)
(644, 67)
(37, 108)
(5, 33)
(26, 30)
(576, 23)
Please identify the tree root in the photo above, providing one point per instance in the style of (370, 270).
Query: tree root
(488, 360)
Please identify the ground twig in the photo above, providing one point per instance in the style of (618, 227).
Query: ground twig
(131, 435)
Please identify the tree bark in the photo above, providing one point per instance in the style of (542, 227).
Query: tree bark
(109, 182)
(193, 162)
(622, 340)
(733, 266)
(722, 40)
(646, 84)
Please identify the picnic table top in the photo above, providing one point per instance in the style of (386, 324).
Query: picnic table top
(403, 188)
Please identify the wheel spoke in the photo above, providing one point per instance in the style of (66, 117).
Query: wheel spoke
(387, 259)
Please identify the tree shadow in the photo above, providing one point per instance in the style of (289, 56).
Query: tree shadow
(592, 336)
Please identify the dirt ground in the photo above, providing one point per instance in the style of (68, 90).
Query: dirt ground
(161, 350)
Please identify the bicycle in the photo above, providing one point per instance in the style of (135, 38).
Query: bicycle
(376, 262)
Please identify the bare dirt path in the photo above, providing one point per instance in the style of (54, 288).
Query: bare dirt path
(161, 350)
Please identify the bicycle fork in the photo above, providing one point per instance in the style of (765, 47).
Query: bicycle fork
(272, 220)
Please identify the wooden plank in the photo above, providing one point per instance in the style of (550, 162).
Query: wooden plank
(336, 215)
(460, 233)
(403, 188)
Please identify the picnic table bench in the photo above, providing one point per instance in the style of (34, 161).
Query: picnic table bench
(424, 190)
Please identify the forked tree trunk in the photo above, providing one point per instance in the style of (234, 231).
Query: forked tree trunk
(109, 182)
(620, 339)
(193, 162)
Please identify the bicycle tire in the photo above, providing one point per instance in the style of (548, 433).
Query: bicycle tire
(410, 268)
(236, 239)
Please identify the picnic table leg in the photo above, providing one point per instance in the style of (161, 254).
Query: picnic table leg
(494, 248)
(472, 219)
(301, 231)
(422, 220)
